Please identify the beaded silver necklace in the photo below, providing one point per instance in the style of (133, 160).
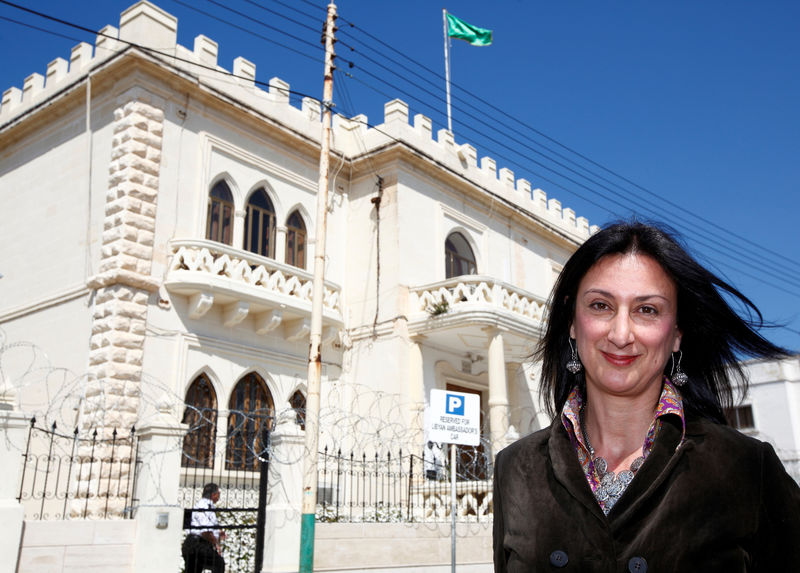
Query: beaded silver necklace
(612, 486)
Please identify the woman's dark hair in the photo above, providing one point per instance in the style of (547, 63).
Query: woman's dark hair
(713, 333)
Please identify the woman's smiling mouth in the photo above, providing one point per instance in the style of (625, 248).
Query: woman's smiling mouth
(619, 360)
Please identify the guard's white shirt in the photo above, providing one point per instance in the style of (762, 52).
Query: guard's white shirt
(206, 520)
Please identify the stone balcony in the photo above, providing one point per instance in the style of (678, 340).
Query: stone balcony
(458, 312)
(243, 283)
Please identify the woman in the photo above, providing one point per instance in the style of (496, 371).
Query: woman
(639, 471)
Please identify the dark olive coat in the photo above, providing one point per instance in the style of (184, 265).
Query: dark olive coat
(721, 502)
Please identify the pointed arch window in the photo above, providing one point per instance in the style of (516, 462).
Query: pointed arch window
(458, 255)
(200, 415)
(259, 225)
(219, 222)
(250, 418)
(298, 404)
(296, 241)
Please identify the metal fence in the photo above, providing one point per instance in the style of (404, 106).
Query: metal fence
(402, 488)
(70, 476)
(239, 464)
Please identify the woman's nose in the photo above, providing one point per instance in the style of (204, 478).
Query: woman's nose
(620, 333)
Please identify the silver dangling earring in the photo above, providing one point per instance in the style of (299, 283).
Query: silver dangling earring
(678, 376)
(573, 364)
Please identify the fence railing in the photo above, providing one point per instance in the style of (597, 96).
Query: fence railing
(74, 477)
(402, 488)
(238, 462)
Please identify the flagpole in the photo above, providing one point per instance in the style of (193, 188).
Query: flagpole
(447, 69)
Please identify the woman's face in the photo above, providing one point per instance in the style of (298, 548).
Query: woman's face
(625, 324)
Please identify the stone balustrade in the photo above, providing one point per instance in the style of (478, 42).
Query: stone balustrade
(471, 291)
(473, 501)
(243, 282)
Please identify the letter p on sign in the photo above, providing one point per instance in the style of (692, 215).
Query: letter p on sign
(455, 405)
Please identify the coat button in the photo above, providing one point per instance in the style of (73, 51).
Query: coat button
(637, 565)
(558, 559)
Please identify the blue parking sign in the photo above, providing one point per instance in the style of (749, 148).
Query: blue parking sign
(453, 417)
(454, 404)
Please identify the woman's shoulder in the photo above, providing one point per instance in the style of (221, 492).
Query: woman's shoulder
(532, 443)
(697, 427)
(712, 437)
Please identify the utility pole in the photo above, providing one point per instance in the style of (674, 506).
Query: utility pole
(314, 351)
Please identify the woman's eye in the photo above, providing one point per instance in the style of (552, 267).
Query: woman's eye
(648, 310)
(597, 305)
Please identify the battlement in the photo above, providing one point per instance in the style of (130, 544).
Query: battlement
(355, 135)
(152, 30)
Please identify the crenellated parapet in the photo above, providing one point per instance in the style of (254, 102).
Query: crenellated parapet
(152, 33)
(355, 136)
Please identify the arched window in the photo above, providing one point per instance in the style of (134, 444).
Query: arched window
(259, 226)
(295, 241)
(250, 419)
(219, 223)
(458, 256)
(298, 404)
(201, 417)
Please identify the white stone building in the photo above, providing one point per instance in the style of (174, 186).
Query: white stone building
(159, 225)
(771, 409)
(173, 210)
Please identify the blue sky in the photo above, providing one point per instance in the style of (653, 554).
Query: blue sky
(695, 103)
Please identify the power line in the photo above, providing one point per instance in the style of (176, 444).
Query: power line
(755, 258)
(257, 21)
(297, 10)
(161, 52)
(712, 243)
(496, 141)
(492, 138)
(517, 122)
(285, 17)
(38, 29)
(726, 265)
(247, 30)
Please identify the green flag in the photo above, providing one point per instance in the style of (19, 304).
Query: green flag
(458, 28)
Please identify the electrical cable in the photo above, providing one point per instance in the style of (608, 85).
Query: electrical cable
(726, 265)
(503, 145)
(160, 53)
(285, 17)
(37, 28)
(714, 244)
(755, 258)
(752, 258)
(246, 30)
(426, 104)
(257, 21)
(295, 9)
(583, 157)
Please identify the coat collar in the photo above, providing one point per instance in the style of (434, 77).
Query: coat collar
(666, 452)
(567, 469)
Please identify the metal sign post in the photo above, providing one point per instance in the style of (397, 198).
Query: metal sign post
(454, 418)
(453, 505)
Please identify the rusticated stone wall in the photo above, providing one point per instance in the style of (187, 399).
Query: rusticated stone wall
(122, 289)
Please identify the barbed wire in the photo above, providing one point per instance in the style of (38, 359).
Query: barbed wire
(357, 423)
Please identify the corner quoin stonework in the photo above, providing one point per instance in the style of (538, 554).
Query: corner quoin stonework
(121, 291)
